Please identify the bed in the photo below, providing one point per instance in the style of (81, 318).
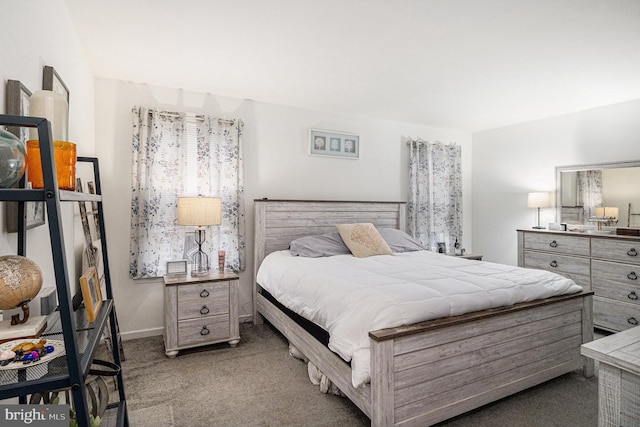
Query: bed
(426, 372)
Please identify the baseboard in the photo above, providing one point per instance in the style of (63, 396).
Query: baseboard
(245, 318)
(146, 333)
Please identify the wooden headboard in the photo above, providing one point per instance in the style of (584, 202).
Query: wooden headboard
(278, 222)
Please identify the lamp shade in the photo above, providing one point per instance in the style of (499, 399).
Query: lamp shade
(199, 211)
(539, 200)
(607, 212)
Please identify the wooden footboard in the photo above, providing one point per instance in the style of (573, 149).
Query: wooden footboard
(428, 372)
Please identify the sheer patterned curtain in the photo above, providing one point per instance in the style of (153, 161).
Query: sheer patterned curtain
(435, 193)
(589, 184)
(181, 154)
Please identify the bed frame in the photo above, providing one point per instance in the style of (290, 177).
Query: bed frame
(428, 372)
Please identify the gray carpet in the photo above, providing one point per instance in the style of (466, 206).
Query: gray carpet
(259, 384)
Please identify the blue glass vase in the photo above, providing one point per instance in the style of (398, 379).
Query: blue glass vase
(12, 159)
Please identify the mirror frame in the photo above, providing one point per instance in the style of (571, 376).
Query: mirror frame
(575, 168)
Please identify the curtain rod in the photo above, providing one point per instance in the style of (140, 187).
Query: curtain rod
(196, 116)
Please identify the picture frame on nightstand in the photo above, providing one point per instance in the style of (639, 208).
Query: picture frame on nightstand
(176, 268)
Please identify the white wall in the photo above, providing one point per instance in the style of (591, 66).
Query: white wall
(276, 166)
(509, 162)
(34, 34)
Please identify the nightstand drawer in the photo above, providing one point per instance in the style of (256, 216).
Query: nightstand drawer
(572, 245)
(208, 329)
(614, 315)
(203, 299)
(626, 251)
(577, 269)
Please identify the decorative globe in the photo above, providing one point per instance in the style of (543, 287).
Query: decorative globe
(12, 159)
(20, 281)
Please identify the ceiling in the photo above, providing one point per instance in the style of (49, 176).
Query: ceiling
(462, 64)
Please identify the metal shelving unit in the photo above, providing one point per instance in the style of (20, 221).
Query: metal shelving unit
(81, 338)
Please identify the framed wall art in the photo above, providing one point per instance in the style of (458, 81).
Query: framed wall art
(334, 144)
(91, 294)
(51, 81)
(17, 104)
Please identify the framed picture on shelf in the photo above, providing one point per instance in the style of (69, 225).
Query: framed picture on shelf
(18, 97)
(51, 81)
(17, 104)
(334, 144)
(442, 247)
(91, 294)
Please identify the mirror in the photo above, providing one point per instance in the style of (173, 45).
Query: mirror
(582, 188)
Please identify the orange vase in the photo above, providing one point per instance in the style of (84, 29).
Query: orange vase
(64, 154)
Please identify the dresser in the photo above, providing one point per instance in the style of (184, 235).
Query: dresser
(200, 311)
(605, 263)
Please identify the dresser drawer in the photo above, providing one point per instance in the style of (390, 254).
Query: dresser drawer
(203, 299)
(572, 245)
(616, 281)
(615, 315)
(626, 251)
(205, 330)
(577, 269)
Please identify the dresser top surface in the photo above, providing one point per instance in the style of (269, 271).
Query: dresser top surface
(582, 234)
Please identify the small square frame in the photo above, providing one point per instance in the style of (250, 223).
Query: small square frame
(176, 268)
(334, 144)
(91, 294)
(442, 247)
(18, 97)
(51, 80)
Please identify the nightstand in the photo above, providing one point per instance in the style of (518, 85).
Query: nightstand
(200, 310)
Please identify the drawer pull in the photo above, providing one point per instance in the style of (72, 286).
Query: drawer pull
(204, 310)
(632, 276)
(632, 252)
(553, 244)
(204, 293)
(632, 321)
(632, 295)
(206, 331)
(553, 263)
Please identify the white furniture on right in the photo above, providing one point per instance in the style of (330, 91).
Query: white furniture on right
(618, 377)
(608, 264)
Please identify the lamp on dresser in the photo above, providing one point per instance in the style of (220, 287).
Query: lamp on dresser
(539, 200)
(605, 216)
(199, 212)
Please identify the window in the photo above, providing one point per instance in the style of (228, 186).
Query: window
(183, 154)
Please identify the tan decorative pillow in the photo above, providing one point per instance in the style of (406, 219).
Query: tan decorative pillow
(363, 240)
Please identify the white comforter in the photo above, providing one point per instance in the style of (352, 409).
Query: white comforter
(350, 296)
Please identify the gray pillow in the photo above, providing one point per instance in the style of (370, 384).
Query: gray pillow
(322, 245)
(399, 241)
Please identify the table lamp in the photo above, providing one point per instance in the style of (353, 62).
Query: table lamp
(605, 216)
(539, 200)
(199, 212)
